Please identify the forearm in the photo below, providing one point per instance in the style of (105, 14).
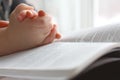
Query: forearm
(4, 43)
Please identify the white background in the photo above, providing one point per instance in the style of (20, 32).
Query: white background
(72, 15)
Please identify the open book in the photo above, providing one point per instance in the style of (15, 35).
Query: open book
(108, 33)
(68, 59)
(56, 61)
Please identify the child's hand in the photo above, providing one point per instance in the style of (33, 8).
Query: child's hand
(27, 14)
(33, 14)
(25, 30)
(50, 38)
(28, 29)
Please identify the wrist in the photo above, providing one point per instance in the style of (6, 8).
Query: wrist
(4, 43)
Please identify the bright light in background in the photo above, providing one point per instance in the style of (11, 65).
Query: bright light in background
(65, 12)
(70, 15)
(107, 12)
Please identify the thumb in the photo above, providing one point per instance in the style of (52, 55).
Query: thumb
(3, 23)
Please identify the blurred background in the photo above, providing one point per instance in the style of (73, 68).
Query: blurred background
(72, 15)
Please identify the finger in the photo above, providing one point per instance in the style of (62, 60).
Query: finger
(27, 14)
(41, 13)
(58, 36)
(31, 14)
(35, 14)
(3, 23)
(50, 38)
(22, 15)
(23, 6)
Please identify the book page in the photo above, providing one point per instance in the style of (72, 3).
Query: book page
(61, 60)
(109, 33)
(10, 78)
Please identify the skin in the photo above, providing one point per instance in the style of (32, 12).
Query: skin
(26, 29)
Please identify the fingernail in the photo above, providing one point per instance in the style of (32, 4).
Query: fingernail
(41, 13)
(58, 36)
